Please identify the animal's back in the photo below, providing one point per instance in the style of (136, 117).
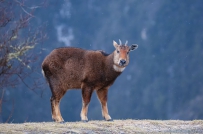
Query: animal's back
(72, 66)
(65, 64)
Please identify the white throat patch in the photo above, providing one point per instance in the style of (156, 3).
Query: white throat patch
(118, 69)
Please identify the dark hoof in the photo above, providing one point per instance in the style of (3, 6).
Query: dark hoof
(62, 122)
(110, 120)
(84, 121)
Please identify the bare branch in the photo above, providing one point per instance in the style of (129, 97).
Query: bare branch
(27, 12)
(11, 114)
(1, 100)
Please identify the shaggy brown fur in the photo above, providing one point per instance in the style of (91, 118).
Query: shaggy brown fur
(75, 68)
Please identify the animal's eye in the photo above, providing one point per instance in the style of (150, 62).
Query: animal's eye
(117, 51)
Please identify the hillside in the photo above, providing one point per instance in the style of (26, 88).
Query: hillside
(103, 127)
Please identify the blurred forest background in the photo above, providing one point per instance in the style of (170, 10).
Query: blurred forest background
(164, 79)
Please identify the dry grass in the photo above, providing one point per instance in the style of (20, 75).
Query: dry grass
(104, 127)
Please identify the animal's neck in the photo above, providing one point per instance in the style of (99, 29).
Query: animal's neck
(115, 67)
(118, 68)
(112, 67)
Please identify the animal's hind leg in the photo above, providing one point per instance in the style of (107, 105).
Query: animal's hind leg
(86, 96)
(57, 94)
(102, 96)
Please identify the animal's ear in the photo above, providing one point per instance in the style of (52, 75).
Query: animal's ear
(133, 47)
(115, 44)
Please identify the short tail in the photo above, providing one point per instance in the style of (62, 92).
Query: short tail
(43, 73)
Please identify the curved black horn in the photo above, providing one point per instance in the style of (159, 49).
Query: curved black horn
(120, 42)
(126, 42)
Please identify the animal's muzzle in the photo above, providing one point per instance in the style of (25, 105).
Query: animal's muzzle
(122, 62)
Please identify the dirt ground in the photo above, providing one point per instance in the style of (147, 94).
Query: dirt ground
(105, 127)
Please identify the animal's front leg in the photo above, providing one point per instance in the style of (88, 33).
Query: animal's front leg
(86, 97)
(102, 96)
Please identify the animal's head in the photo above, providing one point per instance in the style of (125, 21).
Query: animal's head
(121, 55)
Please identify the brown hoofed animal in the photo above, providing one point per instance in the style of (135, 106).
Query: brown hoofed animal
(75, 68)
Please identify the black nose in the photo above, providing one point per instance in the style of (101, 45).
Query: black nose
(122, 62)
